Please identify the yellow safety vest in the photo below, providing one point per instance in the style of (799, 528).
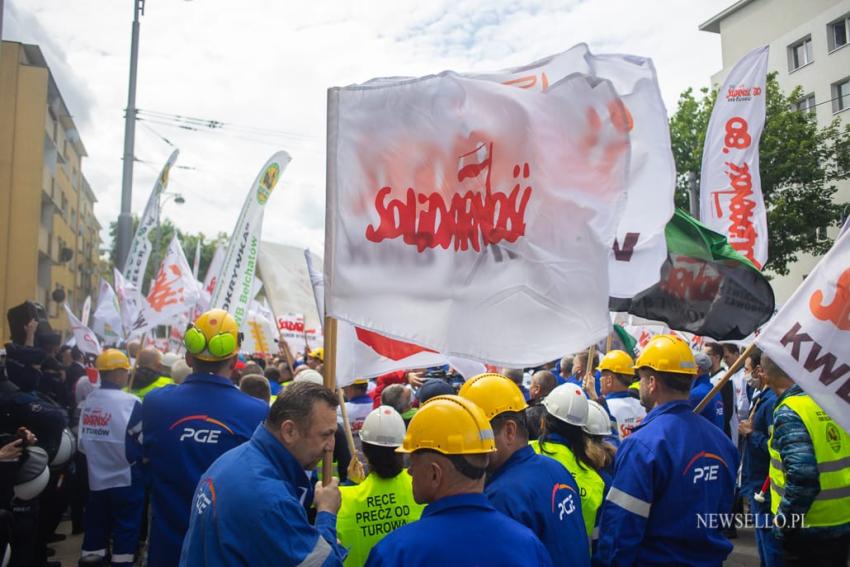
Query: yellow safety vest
(590, 484)
(158, 383)
(832, 451)
(371, 510)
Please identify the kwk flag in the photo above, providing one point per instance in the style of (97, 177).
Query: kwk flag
(107, 315)
(233, 290)
(706, 287)
(83, 336)
(810, 336)
(466, 216)
(731, 201)
(173, 292)
(140, 247)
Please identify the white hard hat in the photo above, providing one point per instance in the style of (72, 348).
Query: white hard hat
(598, 420)
(384, 427)
(66, 449)
(309, 375)
(168, 359)
(567, 403)
(33, 474)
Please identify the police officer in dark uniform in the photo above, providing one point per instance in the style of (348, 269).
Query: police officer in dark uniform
(21, 407)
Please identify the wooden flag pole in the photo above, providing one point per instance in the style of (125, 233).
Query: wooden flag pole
(287, 354)
(356, 472)
(609, 342)
(589, 379)
(136, 362)
(329, 371)
(726, 377)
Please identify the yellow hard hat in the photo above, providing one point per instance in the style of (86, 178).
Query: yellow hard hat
(667, 353)
(493, 393)
(360, 381)
(618, 362)
(213, 336)
(450, 425)
(111, 359)
(317, 353)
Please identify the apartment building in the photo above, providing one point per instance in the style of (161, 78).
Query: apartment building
(49, 236)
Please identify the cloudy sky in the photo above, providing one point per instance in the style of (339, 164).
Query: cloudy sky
(262, 67)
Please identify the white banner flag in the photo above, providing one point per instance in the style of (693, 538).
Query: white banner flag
(86, 311)
(129, 299)
(173, 292)
(317, 281)
(467, 216)
(233, 290)
(107, 315)
(297, 333)
(84, 337)
(259, 331)
(140, 247)
(810, 336)
(640, 248)
(731, 201)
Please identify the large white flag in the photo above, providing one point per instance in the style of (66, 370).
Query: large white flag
(83, 336)
(107, 315)
(640, 248)
(475, 218)
(140, 247)
(731, 201)
(810, 336)
(233, 290)
(173, 292)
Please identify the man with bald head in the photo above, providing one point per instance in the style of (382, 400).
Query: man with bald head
(148, 374)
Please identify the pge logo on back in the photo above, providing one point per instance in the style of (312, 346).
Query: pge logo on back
(707, 472)
(204, 435)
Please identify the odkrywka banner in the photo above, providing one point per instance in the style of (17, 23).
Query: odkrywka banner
(810, 336)
(731, 201)
(233, 290)
(466, 216)
(140, 248)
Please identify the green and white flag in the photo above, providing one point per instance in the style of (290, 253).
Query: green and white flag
(233, 291)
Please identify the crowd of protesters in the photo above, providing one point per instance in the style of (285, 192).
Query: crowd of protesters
(211, 457)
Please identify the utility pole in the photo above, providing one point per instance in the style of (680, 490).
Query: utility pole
(693, 195)
(125, 219)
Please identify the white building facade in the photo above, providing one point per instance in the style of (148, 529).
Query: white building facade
(809, 46)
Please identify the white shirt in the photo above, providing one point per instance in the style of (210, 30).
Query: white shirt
(628, 413)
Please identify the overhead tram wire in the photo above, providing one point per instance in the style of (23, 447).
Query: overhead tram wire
(191, 123)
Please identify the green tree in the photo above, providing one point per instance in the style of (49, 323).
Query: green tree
(160, 238)
(800, 164)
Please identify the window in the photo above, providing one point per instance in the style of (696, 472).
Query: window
(841, 95)
(806, 104)
(800, 53)
(837, 32)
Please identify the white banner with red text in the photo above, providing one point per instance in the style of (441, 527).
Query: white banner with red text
(731, 200)
(467, 216)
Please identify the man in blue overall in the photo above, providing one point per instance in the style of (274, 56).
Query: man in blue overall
(188, 426)
(533, 489)
(674, 477)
